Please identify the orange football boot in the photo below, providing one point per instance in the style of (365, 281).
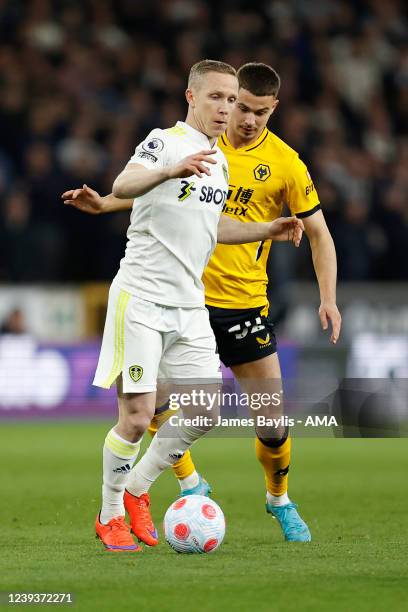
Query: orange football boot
(116, 535)
(140, 518)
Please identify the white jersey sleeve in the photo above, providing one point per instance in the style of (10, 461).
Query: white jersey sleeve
(153, 151)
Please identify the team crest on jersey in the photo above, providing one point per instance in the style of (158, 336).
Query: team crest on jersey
(135, 372)
(154, 145)
(225, 171)
(262, 172)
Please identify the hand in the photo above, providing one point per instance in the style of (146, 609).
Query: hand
(193, 164)
(288, 229)
(85, 199)
(328, 311)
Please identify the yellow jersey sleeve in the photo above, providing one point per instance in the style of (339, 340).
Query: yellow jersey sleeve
(300, 193)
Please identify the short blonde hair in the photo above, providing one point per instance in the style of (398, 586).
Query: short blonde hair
(205, 66)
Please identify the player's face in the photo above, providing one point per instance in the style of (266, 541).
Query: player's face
(251, 114)
(212, 102)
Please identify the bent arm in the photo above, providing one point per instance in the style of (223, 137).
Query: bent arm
(136, 180)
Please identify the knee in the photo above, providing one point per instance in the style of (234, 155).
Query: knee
(205, 421)
(208, 420)
(204, 412)
(273, 439)
(136, 424)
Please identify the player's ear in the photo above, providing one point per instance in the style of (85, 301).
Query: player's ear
(190, 97)
(274, 106)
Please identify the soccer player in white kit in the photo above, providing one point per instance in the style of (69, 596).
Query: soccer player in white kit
(156, 315)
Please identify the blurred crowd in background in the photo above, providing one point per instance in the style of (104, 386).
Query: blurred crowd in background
(82, 82)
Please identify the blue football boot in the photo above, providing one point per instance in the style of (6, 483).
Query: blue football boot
(203, 488)
(293, 527)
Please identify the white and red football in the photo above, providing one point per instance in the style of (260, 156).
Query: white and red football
(194, 524)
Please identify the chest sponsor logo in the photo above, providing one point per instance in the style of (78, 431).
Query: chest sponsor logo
(154, 145)
(186, 190)
(207, 193)
(240, 194)
(262, 172)
(238, 211)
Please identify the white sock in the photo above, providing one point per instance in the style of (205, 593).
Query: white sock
(277, 500)
(167, 447)
(119, 456)
(189, 482)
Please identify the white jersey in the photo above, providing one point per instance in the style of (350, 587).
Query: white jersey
(173, 227)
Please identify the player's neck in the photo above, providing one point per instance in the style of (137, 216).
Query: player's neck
(238, 141)
(192, 122)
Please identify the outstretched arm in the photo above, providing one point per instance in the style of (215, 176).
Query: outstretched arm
(325, 265)
(231, 231)
(88, 200)
(134, 181)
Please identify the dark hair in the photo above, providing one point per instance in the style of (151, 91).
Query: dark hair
(206, 66)
(259, 79)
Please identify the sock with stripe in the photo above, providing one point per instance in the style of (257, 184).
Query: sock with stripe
(119, 456)
(167, 447)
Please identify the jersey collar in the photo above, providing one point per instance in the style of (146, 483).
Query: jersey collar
(196, 135)
(253, 145)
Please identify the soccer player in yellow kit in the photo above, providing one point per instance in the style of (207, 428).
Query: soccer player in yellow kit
(264, 174)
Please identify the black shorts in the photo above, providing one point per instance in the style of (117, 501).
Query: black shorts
(242, 335)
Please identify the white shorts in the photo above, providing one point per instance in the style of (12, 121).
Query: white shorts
(145, 341)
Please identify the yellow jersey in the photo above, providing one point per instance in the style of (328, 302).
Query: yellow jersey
(263, 176)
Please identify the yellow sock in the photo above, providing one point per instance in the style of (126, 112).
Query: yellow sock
(183, 467)
(275, 462)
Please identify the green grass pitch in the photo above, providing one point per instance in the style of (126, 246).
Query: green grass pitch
(353, 494)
